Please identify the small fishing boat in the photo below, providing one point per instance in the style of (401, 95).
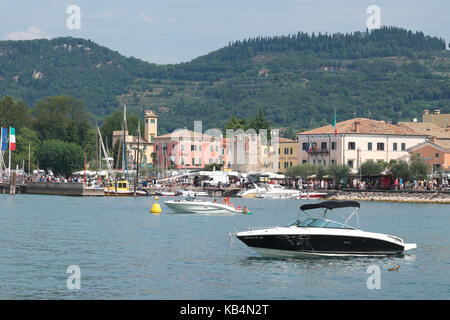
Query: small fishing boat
(323, 237)
(194, 205)
(123, 189)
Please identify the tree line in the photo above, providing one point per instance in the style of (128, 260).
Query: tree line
(57, 133)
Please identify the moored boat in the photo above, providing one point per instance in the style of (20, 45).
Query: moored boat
(312, 195)
(323, 237)
(194, 205)
(122, 189)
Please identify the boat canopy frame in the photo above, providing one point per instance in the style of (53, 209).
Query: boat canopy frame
(330, 205)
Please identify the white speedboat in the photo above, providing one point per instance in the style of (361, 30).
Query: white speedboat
(323, 237)
(165, 193)
(194, 205)
(275, 191)
(192, 193)
(250, 192)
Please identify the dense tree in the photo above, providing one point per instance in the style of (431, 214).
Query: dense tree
(304, 170)
(13, 113)
(236, 124)
(418, 168)
(64, 118)
(27, 143)
(371, 167)
(400, 169)
(60, 157)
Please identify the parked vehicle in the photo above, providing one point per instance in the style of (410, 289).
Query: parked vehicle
(216, 181)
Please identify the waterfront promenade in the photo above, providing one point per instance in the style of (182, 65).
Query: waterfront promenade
(411, 196)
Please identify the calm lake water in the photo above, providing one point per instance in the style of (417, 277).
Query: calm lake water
(125, 252)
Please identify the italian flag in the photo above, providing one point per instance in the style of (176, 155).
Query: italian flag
(334, 124)
(12, 139)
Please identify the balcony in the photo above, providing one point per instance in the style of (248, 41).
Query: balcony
(317, 151)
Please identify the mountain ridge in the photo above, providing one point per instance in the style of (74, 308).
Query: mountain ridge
(298, 80)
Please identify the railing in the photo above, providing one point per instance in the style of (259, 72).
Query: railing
(318, 151)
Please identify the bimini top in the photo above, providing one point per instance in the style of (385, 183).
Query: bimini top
(330, 205)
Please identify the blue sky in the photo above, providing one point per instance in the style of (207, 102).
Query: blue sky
(172, 31)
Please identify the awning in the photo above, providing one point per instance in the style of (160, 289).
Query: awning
(330, 205)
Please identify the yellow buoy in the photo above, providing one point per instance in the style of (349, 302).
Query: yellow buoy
(156, 208)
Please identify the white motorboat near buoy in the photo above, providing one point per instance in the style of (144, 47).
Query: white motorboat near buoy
(194, 205)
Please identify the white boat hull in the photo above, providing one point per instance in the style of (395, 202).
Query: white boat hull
(200, 207)
(279, 195)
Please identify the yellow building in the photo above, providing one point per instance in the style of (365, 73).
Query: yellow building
(287, 154)
(146, 143)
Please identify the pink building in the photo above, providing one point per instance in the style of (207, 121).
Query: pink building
(186, 149)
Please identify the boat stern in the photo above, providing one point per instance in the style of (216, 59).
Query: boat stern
(409, 246)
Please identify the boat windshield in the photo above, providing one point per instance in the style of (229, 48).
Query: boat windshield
(321, 223)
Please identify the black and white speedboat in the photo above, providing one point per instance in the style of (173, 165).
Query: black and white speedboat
(323, 237)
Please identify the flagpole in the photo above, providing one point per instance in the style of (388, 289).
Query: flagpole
(29, 157)
(2, 162)
(9, 164)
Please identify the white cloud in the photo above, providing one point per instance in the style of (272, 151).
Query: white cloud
(30, 34)
(142, 15)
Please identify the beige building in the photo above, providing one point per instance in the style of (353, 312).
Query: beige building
(436, 128)
(442, 120)
(146, 143)
(358, 140)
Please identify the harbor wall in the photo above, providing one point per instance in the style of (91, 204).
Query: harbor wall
(393, 196)
(64, 189)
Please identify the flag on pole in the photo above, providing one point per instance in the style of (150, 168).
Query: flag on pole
(12, 139)
(4, 140)
(334, 124)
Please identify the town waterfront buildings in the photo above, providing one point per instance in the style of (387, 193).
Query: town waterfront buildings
(357, 141)
(186, 149)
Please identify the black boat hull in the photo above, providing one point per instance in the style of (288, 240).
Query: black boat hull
(331, 245)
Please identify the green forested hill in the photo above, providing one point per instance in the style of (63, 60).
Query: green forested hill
(298, 80)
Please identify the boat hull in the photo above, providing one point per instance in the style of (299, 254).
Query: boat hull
(320, 245)
(202, 208)
(124, 193)
(314, 195)
(278, 195)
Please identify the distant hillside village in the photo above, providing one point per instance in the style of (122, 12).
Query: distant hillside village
(351, 142)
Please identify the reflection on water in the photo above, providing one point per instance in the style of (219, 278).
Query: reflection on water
(124, 252)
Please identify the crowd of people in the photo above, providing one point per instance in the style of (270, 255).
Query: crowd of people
(355, 183)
